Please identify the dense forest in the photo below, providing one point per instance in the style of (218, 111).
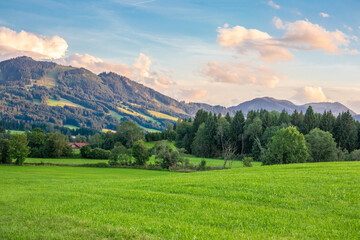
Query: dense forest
(213, 136)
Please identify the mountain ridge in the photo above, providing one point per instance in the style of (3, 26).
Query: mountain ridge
(38, 91)
(270, 104)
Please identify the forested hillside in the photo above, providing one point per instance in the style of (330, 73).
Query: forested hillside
(34, 91)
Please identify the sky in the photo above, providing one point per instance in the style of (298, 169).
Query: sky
(217, 52)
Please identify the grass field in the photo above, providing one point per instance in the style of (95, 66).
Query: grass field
(298, 201)
(72, 127)
(162, 115)
(16, 132)
(74, 161)
(77, 161)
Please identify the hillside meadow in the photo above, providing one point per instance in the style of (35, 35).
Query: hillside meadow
(296, 201)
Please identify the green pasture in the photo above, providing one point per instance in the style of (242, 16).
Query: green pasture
(297, 201)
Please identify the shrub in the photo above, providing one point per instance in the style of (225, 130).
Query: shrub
(140, 153)
(18, 148)
(120, 156)
(247, 161)
(99, 153)
(168, 157)
(287, 146)
(354, 156)
(321, 146)
(4, 151)
(85, 151)
(202, 165)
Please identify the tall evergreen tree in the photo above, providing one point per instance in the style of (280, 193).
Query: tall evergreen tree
(309, 121)
(327, 121)
(237, 131)
(228, 118)
(346, 132)
(295, 119)
(284, 118)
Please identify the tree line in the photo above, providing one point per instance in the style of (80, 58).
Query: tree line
(265, 135)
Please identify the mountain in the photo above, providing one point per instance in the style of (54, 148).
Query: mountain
(38, 91)
(272, 104)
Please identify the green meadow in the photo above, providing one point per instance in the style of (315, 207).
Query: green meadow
(297, 201)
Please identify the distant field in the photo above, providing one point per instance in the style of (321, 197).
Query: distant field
(162, 115)
(152, 144)
(71, 126)
(59, 103)
(16, 132)
(64, 160)
(298, 201)
(76, 161)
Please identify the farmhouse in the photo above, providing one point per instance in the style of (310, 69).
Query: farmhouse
(77, 145)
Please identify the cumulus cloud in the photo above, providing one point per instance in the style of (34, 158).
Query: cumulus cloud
(142, 73)
(13, 44)
(96, 65)
(241, 74)
(305, 35)
(300, 35)
(273, 5)
(310, 94)
(192, 95)
(324, 15)
(250, 40)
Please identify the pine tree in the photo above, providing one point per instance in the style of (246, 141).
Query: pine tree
(237, 131)
(327, 121)
(309, 121)
(346, 132)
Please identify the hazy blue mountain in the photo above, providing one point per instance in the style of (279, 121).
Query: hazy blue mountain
(272, 104)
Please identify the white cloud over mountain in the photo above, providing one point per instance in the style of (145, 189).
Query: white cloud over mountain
(13, 44)
(310, 94)
(242, 73)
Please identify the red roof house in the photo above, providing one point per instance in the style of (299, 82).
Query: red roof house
(77, 145)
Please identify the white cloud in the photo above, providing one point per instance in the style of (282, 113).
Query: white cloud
(273, 5)
(310, 94)
(324, 15)
(305, 35)
(241, 74)
(299, 35)
(191, 95)
(13, 44)
(96, 65)
(252, 40)
(142, 73)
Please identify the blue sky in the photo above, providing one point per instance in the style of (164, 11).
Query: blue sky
(206, 51)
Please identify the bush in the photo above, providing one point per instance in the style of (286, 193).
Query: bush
(354, 156)
(321, 146)
(202, 165)
(168, 157)
(120, 156)
(99, 153)
(287, 146)
(85, 151)
(140, 153)
(4, 151)
(18, 148)
(247, 161)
